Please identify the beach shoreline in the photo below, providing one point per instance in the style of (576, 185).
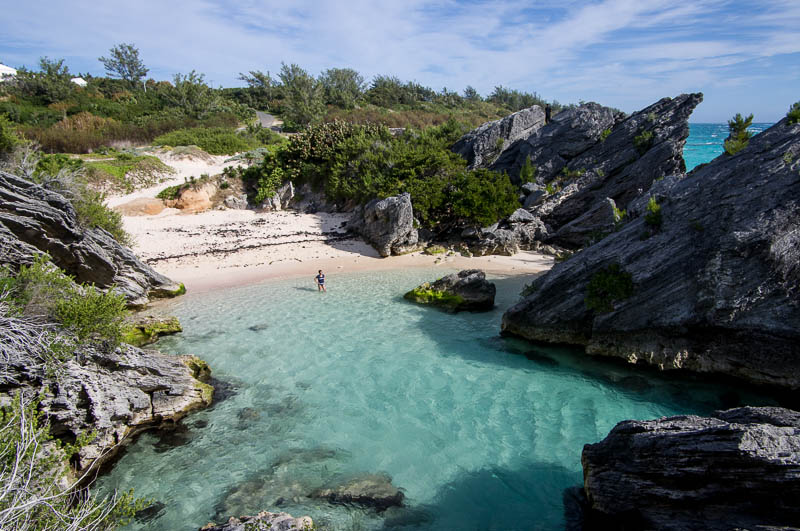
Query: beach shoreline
(227, 248)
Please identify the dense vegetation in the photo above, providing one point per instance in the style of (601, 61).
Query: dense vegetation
(45, 106)
(355, 163)
(739, 136)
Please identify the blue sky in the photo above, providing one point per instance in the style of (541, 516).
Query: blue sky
(744, 56)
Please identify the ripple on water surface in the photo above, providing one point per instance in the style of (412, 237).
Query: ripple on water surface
(476, 429)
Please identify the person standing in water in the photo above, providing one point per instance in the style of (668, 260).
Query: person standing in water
(320, 280)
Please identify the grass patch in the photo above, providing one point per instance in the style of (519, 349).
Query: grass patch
(643, 142)
(213, 140)
(126, 171)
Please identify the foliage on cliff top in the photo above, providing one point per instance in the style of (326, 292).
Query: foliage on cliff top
(358, 163)
(794, 113)
(739, 136)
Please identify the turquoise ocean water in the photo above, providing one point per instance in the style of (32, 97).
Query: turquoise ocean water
(481, 432)
(705, 142)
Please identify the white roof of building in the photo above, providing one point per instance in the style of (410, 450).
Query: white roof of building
(7, 70)
(79, 81)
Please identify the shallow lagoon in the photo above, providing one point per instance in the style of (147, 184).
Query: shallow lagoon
(479, 431)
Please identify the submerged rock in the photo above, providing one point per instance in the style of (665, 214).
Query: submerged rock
(738, 469)
(387, 224)
(465, 290)
(263, 521)
(706, 279)
(34, 220)
(373, 490)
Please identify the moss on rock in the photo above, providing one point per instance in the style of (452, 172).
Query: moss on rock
(146, 330)
(202, 373)
(425, 294)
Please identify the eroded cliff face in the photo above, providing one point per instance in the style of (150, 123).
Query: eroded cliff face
(737, 469)
(34, 220)
(588, 161)
(715, 283)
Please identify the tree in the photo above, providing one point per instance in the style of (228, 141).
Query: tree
(190, 93)
(471, 94)
(343, 86)
(125, 64)
(50, 85)
(304, 96)
(738, 136)
(262, 87)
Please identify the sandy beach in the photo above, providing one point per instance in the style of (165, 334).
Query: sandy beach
(225, 248)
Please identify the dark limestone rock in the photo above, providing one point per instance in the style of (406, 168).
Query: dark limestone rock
(595, 223)
(715, 287)
(263, 520)
(373, 490)
(738, 469)
(587, 155)
(387, 224)
(482, 145)
(34, 220)
(465, 290)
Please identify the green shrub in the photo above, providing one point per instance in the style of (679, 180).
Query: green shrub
(8, 137)
(794, 113)
(606, 287)
(739, 136)
(213, 140)
(527, 173)
(604, 134)
(643, 141)
(93, 213)
(43, 290)
(93, 314)
(170, 192)
(653, 215)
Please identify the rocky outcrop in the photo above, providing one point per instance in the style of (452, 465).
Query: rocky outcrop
(387, 224)
(144, 328)
(195, 198)
(738, 469)
(590, 155)
(481, 146)
(281, 199)
(263, 520)
(520, 231)
(706, 279)
(466, 290)
(113, 393)
(34, 220)
(374, 490)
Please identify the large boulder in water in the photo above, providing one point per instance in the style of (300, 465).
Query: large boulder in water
(738, 469)
(482, 145)
(34, 220)
(706, 279)
(387, 224)
(465, 290)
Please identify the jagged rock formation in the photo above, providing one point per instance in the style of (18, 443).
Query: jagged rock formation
(466, 290)
(482, 145)
(263, 520)
(34, 220)
(588, 156)
(387, 224)
(281, 198)
(710, 283)
(115, 393)
(738, 469)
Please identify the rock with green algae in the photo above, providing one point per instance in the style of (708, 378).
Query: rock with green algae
(466, 290)
(143, 329)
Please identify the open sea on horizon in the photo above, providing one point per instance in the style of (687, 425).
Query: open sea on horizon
(705, 142)
(480, 431)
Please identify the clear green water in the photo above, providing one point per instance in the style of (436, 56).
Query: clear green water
(357, 381)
